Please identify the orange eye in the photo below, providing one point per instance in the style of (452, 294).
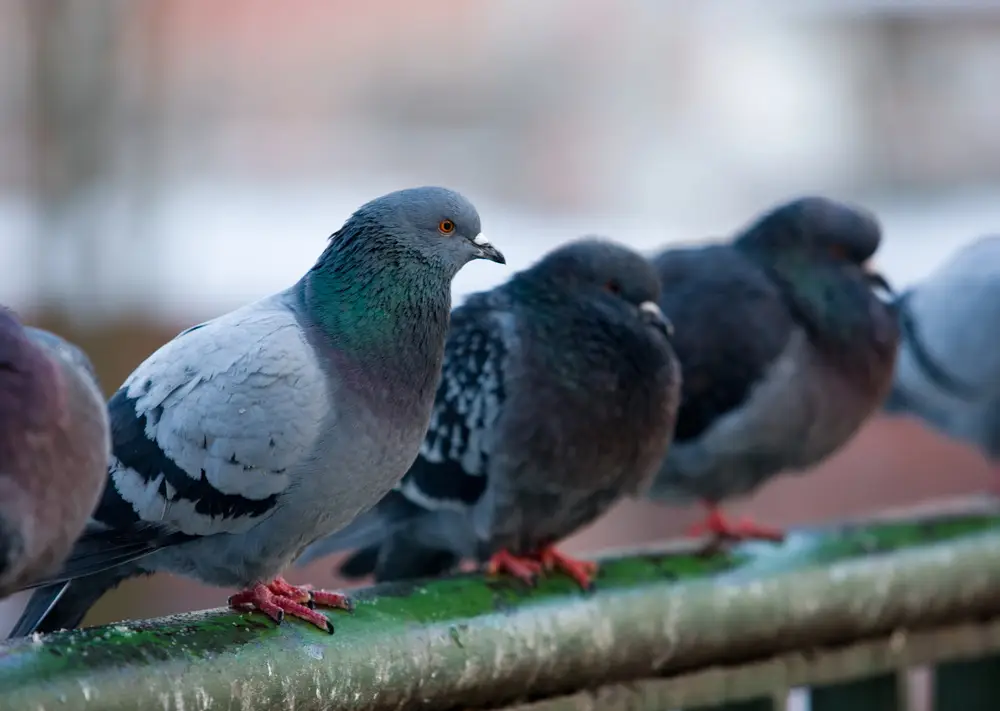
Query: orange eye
(613, 287)
(838, 252)
(446, 227)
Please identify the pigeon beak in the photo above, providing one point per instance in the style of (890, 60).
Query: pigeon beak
(651, 313)
(485, 250)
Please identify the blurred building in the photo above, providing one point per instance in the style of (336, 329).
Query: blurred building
(116, 119)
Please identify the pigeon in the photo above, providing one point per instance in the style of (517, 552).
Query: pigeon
(248, 437)
(948, 373)
(54, 447)
(557, 399)
(787, 341)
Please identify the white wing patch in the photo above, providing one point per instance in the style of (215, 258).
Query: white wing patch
(238, 402)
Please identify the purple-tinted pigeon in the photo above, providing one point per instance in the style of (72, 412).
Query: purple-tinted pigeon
(54, 449)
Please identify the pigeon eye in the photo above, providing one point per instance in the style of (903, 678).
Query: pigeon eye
(446, 227)
(613, 287)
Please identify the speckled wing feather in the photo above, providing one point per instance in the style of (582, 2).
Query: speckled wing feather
(450, 471)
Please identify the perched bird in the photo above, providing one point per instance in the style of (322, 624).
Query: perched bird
(247, 437)
(54, 448)
(948, 373)
(557, 399)
(786, 345)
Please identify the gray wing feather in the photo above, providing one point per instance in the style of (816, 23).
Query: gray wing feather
(237, 402)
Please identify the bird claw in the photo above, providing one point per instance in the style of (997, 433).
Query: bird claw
(300, 594)
(529, 568)
(718, 527)
(328, 598)
(277, 598)
(524, 569)
(582, 571)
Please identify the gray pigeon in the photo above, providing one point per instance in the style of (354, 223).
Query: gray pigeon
(558, 398)
(786, 349)
(948, 373)
(248, 437)
(54, 448)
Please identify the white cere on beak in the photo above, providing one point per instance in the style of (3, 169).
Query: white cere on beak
(882, 294)
(480, 240)
(651, 307)
(877, 285)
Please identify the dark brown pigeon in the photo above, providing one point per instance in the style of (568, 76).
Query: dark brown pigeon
(54, 449)
(786, 347)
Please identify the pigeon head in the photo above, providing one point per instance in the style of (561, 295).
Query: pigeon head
(436, 226)
(601, 270)
(818, 230)
(16, 352)
(65, 351)
(382, 287)
(27, 377)
(818, 226)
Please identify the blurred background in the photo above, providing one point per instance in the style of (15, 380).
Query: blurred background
(164, 161)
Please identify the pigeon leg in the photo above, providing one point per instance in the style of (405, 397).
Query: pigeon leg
(521, 568)
(582, 571)
(716, 525)
(277, 598)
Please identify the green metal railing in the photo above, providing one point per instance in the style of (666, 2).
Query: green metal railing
(845, 611)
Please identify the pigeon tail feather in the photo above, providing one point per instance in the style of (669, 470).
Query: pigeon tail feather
(64, 605)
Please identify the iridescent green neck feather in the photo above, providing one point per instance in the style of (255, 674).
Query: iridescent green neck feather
(837, 308)
(381, 306)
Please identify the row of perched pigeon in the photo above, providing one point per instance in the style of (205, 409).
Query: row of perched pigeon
(351, 412)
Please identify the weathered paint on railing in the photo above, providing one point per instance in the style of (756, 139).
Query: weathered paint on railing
(659, 621)
(835, 670)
